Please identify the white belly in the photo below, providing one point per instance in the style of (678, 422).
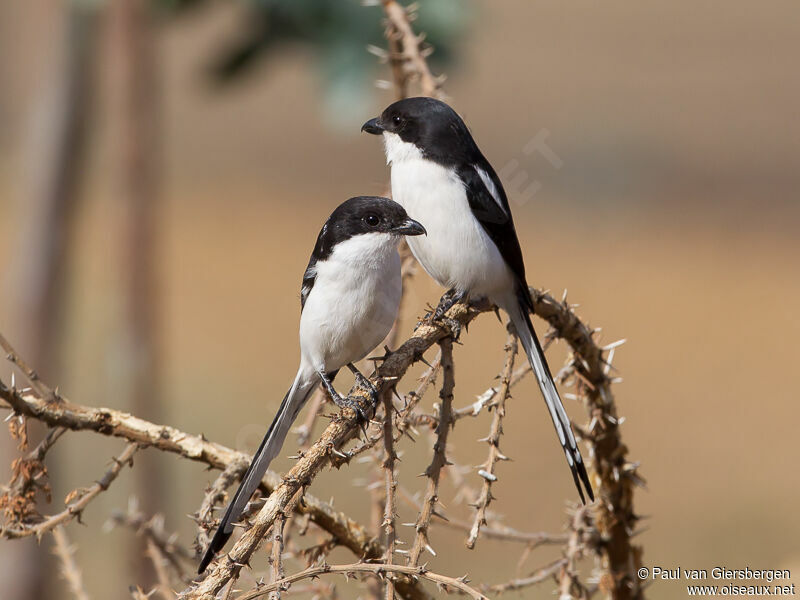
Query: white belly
(353, 303)
(457, 252)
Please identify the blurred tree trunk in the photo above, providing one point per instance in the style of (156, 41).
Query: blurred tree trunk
(58, 153)
(139, 178)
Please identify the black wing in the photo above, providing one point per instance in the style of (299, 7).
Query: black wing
(489, 205)
(322, 250)
(309, 277)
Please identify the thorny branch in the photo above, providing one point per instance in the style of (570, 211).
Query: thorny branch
(570, 585)
(603, 530)
(439, 460)
(459, 584)
(276, 556)
(539, 576)
(213, 496)
(499, 532)
(342, 429)
(493, 439)
(77, 501)
(69, 569)
(588, 360)
(152, 530)
(614, 476)
(407, 55)
(389, 510)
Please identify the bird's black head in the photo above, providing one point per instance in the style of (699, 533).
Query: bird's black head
(362, 215)
(372, 214)
(428, 124)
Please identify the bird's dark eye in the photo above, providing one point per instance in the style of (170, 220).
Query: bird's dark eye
(397, 121)
(372, 220)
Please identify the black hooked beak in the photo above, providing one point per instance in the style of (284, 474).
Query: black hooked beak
(373, 126)
(410, 227)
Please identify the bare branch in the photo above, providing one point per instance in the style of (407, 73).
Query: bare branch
(31, 375)
(539, 576)
(160, 566)
(163, 437)
(153, 532)
(496, 532)
(614, 476)
(214, 494)
(406, 56)
(487, 471)
(341, 430)
(485, 399)
(390, 483)
(76, 507)
(276, 556)
(569, 584)
(439, 461)
(407, 417)
(459, 584)
(69, 570)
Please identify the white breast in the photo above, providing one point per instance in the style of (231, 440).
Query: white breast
(457, 252)
(353, 303)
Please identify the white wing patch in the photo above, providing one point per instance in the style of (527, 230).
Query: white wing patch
(490, 186)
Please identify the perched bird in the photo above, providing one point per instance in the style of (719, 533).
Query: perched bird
(349, 300)
(441, 178)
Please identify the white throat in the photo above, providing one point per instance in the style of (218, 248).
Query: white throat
(397, 150)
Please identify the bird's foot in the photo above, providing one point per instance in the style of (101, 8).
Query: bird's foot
(367, 385)
(449, 299)
(446, 302)
(355, 406)
(454, 326)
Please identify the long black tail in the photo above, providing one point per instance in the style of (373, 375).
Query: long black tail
(294, 400)
(520, 317)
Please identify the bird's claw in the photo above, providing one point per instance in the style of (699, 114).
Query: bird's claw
(454, 326)
(447, 301)
(355, 406)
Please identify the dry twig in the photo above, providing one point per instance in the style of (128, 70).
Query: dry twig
(389, 509)
(77, 501)
(341, 430)
(407, 57)
(115, 423)
(153, 532)
(493, 439)
(614, 476)
(459, 584)
(569, 585)
(215, 492)
(539, 576)
(69, 570)
(439, 460)
(276, 556)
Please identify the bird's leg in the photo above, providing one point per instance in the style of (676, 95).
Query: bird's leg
(450, 298)
(343, 402)
(445, 303)
(365, 383)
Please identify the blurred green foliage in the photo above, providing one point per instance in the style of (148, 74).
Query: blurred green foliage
(335, 32)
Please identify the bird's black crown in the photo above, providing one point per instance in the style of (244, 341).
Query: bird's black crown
(360, 215)
(429, 124)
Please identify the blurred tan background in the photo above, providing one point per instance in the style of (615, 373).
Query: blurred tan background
(670, 216)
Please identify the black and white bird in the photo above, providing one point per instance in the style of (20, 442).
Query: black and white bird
(442, 179)
(349, 300)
